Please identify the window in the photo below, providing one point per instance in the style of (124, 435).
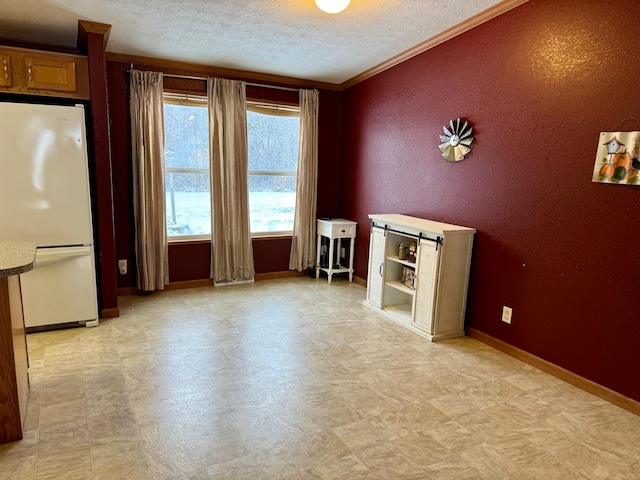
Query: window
(272, 135)
(186, 156)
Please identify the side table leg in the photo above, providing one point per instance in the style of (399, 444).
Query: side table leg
(351, 252)
(318, 255)
(330, 273)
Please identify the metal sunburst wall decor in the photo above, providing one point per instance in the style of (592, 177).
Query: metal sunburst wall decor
(457, 140)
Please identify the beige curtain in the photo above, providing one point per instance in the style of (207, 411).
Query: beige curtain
(232, 250)
(303, 242)
(147, 153)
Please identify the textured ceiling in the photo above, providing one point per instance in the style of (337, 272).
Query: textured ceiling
(281, 37)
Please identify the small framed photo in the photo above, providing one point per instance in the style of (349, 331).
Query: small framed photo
(408, 277)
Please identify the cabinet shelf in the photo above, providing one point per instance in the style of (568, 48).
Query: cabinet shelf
(339, 269)
(394, 258)
(401, 311)
(400, 286)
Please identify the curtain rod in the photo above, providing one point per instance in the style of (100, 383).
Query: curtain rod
(191, 77)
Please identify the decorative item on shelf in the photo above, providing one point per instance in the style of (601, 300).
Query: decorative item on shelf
(618, 158)
(457, 140)
(402, 252)
(411, 256)
(408, 277)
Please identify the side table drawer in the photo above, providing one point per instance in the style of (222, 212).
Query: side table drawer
(343, 231)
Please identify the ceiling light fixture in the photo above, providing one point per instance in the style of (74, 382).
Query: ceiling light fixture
(332, 6)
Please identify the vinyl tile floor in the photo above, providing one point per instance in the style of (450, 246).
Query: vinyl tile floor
(295, 379)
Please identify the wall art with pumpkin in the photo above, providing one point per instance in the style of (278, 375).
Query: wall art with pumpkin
(618, 158)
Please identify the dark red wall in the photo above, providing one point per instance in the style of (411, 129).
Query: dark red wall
(538, 84)
(190, 261)
(122, 173)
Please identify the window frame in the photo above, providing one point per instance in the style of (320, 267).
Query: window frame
(190, 100)
(279, 109)
(269, 107)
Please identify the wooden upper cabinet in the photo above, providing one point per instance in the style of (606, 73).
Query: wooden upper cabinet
(35, 72)
(5, 70)
(45, 73)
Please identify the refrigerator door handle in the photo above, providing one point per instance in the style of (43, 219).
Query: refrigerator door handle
(46, 256)
(63, 252)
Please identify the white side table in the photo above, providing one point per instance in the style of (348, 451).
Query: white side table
(335, 229)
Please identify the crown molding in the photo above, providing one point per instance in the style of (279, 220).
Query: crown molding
(448, 34)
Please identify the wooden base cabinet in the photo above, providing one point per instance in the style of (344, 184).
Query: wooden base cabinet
(14, 362)
(425, 290)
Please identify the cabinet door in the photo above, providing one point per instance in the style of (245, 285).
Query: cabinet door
(375, 279)
(57, 74)
(426, 286)
(5, 70)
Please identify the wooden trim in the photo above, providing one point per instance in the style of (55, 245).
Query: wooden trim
(209, 283)
(360, 281)
(565, 375)
(205, 282)
(85, 27)
(204, 71)
(441, 37)
(110, 312)
(10, 42)
(75, 56)
(276, 275)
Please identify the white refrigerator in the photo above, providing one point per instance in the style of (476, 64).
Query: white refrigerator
(45, 199)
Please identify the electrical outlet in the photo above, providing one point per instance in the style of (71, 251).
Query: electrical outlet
(122, 266)
(343, 252)
(507, 313)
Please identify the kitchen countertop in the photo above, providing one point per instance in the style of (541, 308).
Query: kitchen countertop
(16, 258)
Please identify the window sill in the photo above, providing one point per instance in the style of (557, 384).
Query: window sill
(271, 235)
(188, 240)
(207, 240)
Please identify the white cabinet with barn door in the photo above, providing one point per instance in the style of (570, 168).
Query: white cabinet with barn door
(376, 265)
(419, 273)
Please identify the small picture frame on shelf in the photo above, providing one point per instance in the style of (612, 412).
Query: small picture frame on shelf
(408, 277)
